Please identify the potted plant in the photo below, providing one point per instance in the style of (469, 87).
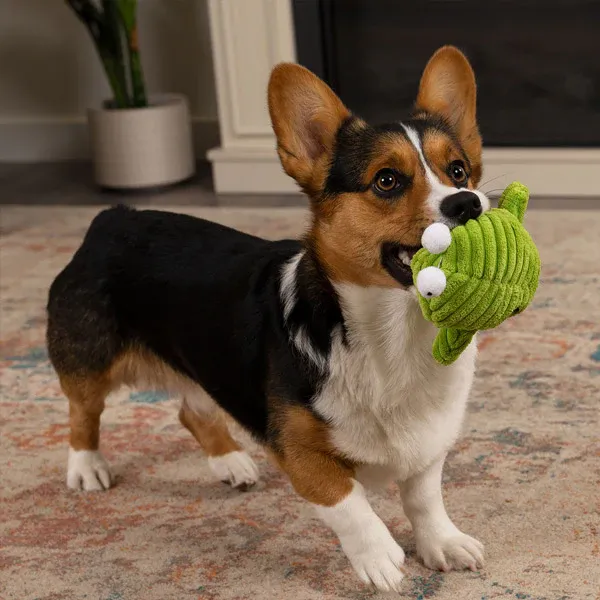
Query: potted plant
(136, 141)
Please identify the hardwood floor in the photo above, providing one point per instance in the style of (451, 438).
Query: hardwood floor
(71, 184)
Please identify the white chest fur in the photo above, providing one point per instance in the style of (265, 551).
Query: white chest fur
(392, 408)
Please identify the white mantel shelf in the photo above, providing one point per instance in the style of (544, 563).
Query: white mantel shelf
(250, 36)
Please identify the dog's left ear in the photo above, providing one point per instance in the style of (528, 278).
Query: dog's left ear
(306, 115)
(448, 89)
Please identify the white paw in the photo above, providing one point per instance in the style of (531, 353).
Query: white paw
(455, 551)
(377, 560)
(235, 468)
(87, 470)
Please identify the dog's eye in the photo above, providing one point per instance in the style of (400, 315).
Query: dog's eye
(457, 172)
(386, 181)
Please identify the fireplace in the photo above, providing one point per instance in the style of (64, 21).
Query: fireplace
(536, 61)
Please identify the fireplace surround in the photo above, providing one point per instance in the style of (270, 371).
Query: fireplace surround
(538, 77)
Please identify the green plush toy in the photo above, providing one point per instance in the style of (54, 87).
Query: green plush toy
(476, 275)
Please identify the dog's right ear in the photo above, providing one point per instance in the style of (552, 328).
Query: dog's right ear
(306, 115)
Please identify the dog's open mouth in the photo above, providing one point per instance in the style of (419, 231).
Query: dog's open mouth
(396, 259)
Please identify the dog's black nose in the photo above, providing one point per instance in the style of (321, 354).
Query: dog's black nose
(461, 206)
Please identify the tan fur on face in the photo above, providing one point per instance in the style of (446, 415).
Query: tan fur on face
(441, 150)
(349, 229)
(305, 453)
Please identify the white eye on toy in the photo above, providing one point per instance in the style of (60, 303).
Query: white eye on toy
(431, 282)
(436, 238)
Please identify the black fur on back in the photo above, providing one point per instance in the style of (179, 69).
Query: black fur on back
(202, 297)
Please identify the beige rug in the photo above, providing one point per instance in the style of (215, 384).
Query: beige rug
(525, 477)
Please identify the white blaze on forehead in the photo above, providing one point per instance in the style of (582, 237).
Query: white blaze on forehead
(437, 190)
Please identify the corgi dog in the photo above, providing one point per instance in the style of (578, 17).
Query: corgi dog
(317, 347)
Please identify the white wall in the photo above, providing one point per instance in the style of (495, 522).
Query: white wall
(50, 73)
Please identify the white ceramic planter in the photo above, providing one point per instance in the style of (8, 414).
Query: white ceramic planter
(142, 147)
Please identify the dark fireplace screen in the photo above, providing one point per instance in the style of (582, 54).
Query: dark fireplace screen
(537, 62)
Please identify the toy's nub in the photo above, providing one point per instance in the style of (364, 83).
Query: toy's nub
(514, 199)
(450, 343)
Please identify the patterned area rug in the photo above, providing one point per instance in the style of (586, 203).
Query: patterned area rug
(524, 478)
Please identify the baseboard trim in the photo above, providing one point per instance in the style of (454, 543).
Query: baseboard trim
(249, 171)
(56, 140)
(548, 172)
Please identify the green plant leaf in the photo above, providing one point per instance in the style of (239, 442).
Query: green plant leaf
(104, 25)
(128, 11)
(88, 13)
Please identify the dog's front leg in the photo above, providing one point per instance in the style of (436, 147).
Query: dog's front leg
(367, 542)
(327, 482)
(440, 543)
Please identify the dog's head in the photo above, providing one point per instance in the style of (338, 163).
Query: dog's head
(374, 189)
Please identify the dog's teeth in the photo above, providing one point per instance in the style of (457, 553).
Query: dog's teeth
(404, 257)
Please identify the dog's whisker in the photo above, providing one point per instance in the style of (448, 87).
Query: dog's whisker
(491, 180)
(500, 190)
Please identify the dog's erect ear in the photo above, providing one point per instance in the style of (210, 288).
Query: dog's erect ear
(306, 115)
(448, 89)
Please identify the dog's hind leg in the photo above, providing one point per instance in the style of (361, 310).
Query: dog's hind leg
(226, 458)
(83, 345)
(87, 468)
